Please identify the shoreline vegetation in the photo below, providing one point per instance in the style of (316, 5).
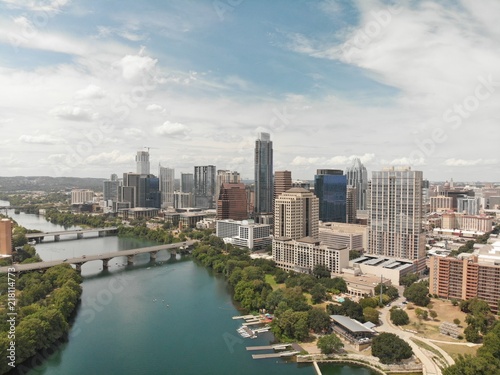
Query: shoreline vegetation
(45, 306)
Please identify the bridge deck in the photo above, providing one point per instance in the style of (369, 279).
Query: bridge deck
(73, 231)
(88, 258)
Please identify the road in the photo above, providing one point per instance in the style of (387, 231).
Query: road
(429, 366)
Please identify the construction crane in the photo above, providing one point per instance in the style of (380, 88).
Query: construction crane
(149, 148)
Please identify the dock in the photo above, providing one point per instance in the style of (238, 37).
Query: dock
(275, 355)
(246, 317)
(269, 347)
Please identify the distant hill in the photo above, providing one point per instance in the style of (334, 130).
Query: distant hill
(45, 183)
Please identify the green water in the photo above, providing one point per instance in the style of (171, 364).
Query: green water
(168, 317)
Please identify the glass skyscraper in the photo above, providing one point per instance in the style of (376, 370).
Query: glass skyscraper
(330, 186)
(264, 190)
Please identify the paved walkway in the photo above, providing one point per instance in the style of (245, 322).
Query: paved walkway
(430, 367)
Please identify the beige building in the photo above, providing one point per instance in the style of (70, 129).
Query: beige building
(395, 221)
(460, 221)
(81, 196)
(473, 275)
(5, 237)
(441, 203)
(352, 236)
(296, 245)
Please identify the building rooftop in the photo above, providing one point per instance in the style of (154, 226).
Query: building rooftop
(351, 324)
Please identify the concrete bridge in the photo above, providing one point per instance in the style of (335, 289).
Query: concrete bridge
(79, 261)
(39, 237)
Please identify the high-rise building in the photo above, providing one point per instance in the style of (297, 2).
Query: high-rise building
(148, 194)
(110, 188)
(187, 183)
(263, 174)
(296, 245)
(204, 186)
(142, 161)
(282, 182)
(5, 237)
(296, 214)
(351, 204)
(396, 215)
(81, 196)
(167, 181)
(330, 186)
(467, 205)
(232, 202)
(357, 177)
(225, 176)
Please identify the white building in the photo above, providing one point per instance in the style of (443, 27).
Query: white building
(244, 233)
(142, 162)
(81, 196)
(167, 180)
(352, 236)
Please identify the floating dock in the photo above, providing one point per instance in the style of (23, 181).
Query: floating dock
(269, 347)
(275, 355)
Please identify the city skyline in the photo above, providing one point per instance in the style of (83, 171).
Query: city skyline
(87, 85)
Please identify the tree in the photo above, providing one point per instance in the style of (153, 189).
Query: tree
(371, 315)
(433, 314)
(318, 293)
(329, 344)
(399, 317)
(318, 320)
(320, 271)
(468, 365)
(472, 334)
(353, 254)
(418, 294)
(408, 279)
(456, 321)
(389, 348)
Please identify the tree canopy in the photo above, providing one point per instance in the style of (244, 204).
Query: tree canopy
(389, 348)
(418, 293)
(329, 344)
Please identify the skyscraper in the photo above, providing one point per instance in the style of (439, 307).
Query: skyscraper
(225, 176)
(232, 202)
(110, 188)
(296, 214)
(167, 180)
(396, 215)
(204, 186)
(282, 182)
(330, 186)
(357, 177)
(187, 183)
(142, 161)
(263, 174)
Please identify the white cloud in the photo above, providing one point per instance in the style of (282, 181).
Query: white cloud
(335, 161)
(49, 6)
(133, 132)
(74, 113)
(467, 163)
(172, 129)
(44, 139)
(90, 92)
(405, 161)
(135, 67)
(114, 157)
(155, 107)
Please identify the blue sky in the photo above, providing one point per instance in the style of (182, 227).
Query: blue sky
(86, 84)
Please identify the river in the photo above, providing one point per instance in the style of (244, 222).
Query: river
(168, 317)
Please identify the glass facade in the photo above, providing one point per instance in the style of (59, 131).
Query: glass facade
(331, 189)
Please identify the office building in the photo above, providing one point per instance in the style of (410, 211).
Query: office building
(142, 162)
(263, 174)
(351, 204)
(396, 216)
(167, 182)
(204, 186)
(469, 276)
(183, 200)
(225, 176)
(441, 203)
(282, 182)
(462, 222)
(296, 246)
(81, 196)
(232, 202)
(110, 189)
(244, 233)
(5, 237)
(296, 214)
(357, 177)
(338, 235)
(187, 183)
(148, 194)
(330, 186)
(467, 205)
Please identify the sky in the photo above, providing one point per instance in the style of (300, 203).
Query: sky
(85, 84)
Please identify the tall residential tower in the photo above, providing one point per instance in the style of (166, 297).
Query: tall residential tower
(263, 174)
